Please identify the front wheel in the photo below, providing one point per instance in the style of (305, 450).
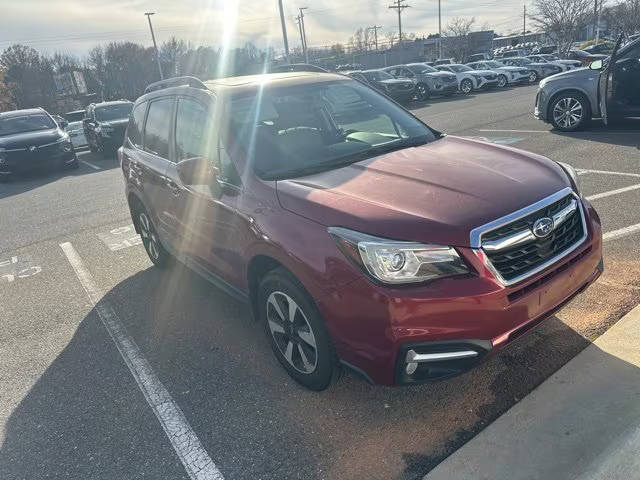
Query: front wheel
(298, 336)
(533, 76)
(422, 92)
(502, 81)
(569, 112)
(466, 86)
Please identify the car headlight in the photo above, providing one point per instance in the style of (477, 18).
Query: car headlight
(397, 262)
(571, 172)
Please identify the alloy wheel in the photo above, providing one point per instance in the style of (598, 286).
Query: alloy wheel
(149, 236)
(292, 332)
(422, 91)
(466, 86)
(533, 76)
(502, 81)
(568, 112)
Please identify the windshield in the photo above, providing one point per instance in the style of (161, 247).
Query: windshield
(377, 75)
(460, 68)
(26, 123)
(296, 131)
(494, 64)
(73, 126)
(548, 58)
(113, 112)
(74, 116)
(419, 68)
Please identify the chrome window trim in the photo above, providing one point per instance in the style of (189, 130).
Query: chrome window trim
(476, 235)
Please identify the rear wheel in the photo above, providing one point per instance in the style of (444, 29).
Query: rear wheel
(569, 112)
(157, 254)
(298, 336)
(466, 86)
(502, 81)
(422, 92)
(533, 76)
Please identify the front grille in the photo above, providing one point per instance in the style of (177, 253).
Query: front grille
(517, 261)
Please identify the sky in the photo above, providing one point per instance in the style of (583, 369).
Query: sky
(74, 26)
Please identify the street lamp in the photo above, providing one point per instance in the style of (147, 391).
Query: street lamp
(155, 46)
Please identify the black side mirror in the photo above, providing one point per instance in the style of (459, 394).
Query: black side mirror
(195, 171)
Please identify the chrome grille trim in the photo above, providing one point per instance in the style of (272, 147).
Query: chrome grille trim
(476, 233)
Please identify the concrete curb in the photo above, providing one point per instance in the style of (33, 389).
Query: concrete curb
(583, 422)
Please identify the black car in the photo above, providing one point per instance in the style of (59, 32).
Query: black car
(104, 125)
(30, 140)
(401, 90)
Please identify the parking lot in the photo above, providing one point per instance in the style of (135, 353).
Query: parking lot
(110, 368)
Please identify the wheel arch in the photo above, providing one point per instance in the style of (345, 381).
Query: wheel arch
(574, 90)
(133, 199)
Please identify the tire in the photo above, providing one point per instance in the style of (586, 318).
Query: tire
(92, 148)
(569, 112)
(302, 346)
(533, 76)
(502, 81)
(150, 239)
(74, 165)
(466, 86)
(422, 92)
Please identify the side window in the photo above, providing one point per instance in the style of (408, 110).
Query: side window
(633, 53)
(405, 72)
(156, 129)
(136, 122)
(191, 124)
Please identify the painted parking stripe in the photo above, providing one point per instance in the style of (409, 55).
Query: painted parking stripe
(507, 130)
(621, 232)
(584, 171)
(613, 192)
(193, 456)
(89, 164)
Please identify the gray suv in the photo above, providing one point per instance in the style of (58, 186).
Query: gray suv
(428, 80)
(607, 88)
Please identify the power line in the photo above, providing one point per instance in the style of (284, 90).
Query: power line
(375, 29)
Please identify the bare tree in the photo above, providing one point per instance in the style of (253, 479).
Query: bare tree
(6, 103)
(562, 20)
(456, 37)
(391, 38)
(625, 16)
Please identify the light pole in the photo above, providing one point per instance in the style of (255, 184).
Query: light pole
(155, 45)
(284, 32)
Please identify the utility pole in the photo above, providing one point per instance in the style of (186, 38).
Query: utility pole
(284, 32)
(524, 24)
(155, 45)
(304, 34)
(439, 29)
(375, 29)
(598, 23)
(398, 5)
(300, 30)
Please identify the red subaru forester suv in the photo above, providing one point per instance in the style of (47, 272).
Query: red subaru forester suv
(359, 235)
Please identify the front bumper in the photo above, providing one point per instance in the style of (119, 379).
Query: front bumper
(375, 327)
(24, 162)
(485, 83)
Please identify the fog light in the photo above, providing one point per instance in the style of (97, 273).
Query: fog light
(411, 368)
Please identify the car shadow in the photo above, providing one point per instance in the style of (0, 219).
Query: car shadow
(425, 103)
(31, 180)
(623, 133)
(254, 421)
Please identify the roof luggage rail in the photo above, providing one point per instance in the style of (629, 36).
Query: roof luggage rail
(176, 82)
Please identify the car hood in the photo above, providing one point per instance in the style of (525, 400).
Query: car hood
(435, 193)
(570, 76)
(440, 74)
(28, 139)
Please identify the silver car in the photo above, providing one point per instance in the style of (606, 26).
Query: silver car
(506, 75)
(548, 58)
(428, 80)
(536, 70)
(571, 99)
(76, 132)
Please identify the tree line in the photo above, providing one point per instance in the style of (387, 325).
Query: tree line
(116, 70)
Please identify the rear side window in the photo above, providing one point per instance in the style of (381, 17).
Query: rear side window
(191, 124)
(156, 129)
(136, 123)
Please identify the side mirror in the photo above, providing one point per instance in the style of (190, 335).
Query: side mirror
(195, 171)
(596, 65)
(63, 124)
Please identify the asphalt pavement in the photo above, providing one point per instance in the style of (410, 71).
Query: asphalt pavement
(79, 401)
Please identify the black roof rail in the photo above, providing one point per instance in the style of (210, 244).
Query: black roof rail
(176, 82)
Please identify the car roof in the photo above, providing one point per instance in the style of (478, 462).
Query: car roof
(114, 102)
(20, 113)
(250, 83)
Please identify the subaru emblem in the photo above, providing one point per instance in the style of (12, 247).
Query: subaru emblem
(543, 227)
(33, 149)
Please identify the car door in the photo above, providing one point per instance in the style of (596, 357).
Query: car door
(626, 82)
(605, 84)
(152, 160)
(207, 218)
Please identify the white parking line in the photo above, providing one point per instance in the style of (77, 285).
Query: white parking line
(88, 164)
(613, 192)
(507, 130)
(621, 232)
(193, 456)
(583, 171)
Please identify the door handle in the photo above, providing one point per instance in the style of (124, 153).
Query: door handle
(173, 186)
